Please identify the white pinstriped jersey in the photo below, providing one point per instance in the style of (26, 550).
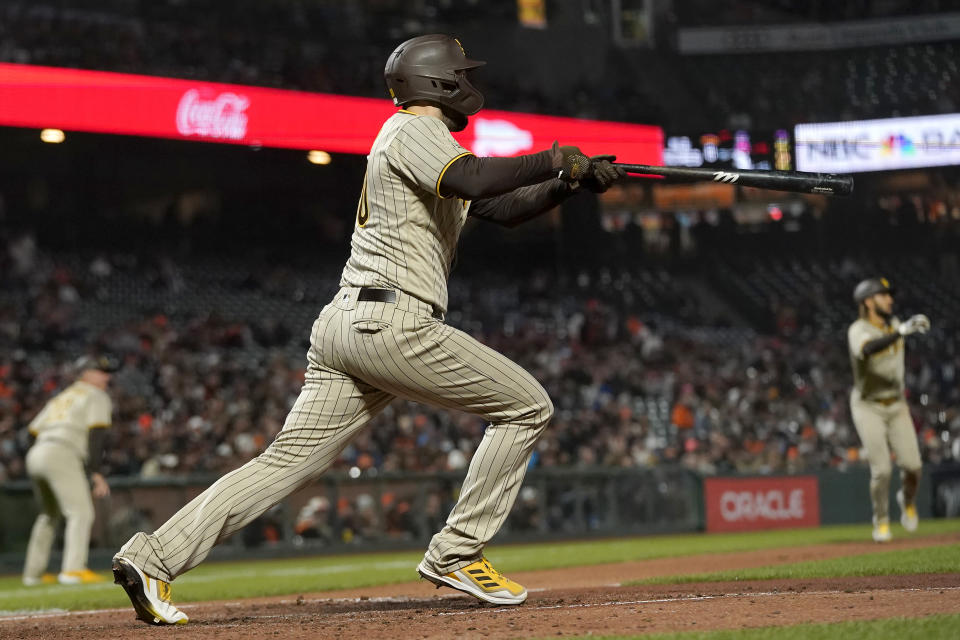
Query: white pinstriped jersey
(69, 416)
(405, 234)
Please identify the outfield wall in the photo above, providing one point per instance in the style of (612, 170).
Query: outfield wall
(390, 511)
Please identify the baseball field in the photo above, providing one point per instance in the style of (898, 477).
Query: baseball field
(805, 583)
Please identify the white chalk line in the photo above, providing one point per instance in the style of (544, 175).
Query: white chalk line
(56, 613)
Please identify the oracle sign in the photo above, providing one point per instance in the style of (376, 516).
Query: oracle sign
(100, 102)
(744, 504)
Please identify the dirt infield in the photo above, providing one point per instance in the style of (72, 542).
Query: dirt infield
(562, 602)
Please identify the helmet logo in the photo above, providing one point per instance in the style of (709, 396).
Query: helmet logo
(884, 282)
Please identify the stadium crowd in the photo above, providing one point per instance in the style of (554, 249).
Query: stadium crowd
(634, 385)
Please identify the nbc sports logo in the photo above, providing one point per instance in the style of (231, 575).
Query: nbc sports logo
(897, 144)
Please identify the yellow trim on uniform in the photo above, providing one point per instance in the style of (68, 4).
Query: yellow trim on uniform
(407, 111)
(99, 426)
(447, 166)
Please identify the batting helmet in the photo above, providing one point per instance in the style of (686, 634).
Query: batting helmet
(433, 68)
(105, 363)
(871, 287)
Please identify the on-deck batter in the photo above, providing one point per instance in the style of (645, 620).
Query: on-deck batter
(383, 336)
(877, 404)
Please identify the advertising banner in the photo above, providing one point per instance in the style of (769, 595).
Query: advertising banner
(819, 36)
(749, 504)
(878, 145)
(100, 102)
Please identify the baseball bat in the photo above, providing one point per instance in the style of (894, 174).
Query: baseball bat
(798, 181)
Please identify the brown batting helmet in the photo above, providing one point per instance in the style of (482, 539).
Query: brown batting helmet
(433, 68)
(871, 287)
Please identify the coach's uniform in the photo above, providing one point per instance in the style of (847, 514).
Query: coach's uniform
(879, 410)
(55, 464)
(381, 337)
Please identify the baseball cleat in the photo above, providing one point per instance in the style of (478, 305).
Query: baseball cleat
(47, 578)
(83, 576)
(480, 580)
(908, 513)
(881, 531)
(150, 596)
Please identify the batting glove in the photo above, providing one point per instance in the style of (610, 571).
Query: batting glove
(571, 164)
(916, 324)
(602, 174)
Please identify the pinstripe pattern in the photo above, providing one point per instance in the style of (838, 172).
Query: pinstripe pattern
(364, 354)
(410, 236)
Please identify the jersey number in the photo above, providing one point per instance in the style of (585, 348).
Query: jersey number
(363, 213)
(61, 405)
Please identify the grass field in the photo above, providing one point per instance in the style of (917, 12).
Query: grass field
(944, 627)
(938, 559)
(228, 580)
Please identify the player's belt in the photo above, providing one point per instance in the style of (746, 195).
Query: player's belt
(367, 294)
(885, 401)
(390, 296)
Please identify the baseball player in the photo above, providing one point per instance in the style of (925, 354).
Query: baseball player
(70, 432)
(877, 404)
(383, 336)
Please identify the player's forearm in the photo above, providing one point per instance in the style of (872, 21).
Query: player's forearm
(879, 344)
(520, 205)
(95, 450)
(471, 178)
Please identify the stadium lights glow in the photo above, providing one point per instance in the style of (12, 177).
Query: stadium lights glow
(52, 136)
(318, 157)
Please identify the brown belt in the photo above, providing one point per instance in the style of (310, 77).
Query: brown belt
(886, 401)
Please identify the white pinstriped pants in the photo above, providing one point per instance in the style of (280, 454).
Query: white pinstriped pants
(362, 355)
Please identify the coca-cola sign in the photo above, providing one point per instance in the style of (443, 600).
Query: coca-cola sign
(222, 116)
(102, 102)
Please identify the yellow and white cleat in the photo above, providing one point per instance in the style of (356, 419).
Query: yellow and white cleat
(881, 531)
(480, 580)
(33, 581)
(82, 576)
(150, 597)
(908, 513)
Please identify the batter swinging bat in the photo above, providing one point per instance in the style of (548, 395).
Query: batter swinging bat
(799, 181)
